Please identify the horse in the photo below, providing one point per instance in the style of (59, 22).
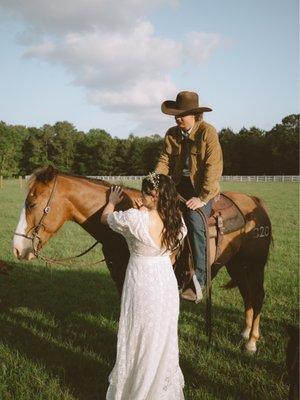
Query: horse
(56, 197)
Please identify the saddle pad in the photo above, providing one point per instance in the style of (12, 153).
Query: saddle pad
(232, 217)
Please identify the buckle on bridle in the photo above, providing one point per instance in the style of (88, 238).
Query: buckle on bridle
(47, 210)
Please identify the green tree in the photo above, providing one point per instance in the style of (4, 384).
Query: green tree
(227, 138)
(36, 148)
(11, 141)
(282, 144)
(63, 145)
(95, 153)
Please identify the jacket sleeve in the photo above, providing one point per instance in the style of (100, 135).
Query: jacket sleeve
(213, 165)
(163, 164)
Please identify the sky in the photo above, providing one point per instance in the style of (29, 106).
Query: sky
(109, 64)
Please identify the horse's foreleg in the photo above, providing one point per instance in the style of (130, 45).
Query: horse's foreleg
(254, 335)
(248, 323)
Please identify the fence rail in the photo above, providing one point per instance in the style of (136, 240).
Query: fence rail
(236, 178)
(262, 178)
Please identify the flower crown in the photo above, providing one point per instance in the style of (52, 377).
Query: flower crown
(153, 177)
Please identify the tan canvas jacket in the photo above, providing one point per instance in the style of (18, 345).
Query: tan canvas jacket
(206, 161)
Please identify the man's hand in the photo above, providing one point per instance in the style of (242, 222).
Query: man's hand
(195, 203)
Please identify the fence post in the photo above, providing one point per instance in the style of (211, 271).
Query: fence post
(20, 182)
(1, 182)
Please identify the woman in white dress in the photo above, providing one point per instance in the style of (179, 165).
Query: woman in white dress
(147, 362)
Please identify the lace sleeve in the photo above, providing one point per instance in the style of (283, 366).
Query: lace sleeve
(121, 221)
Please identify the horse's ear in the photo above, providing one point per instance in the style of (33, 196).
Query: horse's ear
(47, 174)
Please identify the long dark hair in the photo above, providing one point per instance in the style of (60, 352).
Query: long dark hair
(167, 208)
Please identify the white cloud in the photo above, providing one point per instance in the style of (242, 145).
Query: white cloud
(143, 95)
(110, 51)
(62, 16)
(200, 45)
(112, 60)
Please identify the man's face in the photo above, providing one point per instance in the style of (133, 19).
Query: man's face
(185, 123)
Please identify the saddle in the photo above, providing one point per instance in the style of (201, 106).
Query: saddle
(225, 217)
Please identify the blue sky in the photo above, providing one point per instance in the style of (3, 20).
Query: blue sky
(101, 64)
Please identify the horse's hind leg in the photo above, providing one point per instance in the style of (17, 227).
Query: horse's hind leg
(256, 279)
(249, 279)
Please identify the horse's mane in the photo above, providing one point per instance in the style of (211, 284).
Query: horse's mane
(47, 174)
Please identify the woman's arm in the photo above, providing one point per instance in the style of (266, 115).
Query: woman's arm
(115, 197)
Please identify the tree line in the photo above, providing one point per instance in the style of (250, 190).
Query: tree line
(247, 152)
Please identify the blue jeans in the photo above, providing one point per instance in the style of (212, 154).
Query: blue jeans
(196, 229)
(197, 236)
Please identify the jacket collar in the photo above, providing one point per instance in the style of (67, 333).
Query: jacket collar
(192, 133)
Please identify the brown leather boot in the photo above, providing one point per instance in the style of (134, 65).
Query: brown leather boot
(188, 294)
(194, 292)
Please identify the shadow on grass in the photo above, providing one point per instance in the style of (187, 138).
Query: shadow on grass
(65, 320)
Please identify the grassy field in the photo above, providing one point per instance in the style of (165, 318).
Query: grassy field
(58, 325)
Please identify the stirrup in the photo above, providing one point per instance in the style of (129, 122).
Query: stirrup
(199, 294)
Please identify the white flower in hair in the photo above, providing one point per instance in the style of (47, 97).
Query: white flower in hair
(153, 177)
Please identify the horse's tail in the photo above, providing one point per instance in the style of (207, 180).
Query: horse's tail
(259, 202)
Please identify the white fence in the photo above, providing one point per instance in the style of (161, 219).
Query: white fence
(258, 178)
(224, 178)
(262, 178)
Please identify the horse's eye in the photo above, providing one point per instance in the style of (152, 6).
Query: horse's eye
(29, 206)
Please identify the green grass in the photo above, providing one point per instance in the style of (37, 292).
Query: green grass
(58, 325)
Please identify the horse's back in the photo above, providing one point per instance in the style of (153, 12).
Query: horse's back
(256, 236)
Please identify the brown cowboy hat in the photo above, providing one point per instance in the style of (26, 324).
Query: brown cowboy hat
(187, 103)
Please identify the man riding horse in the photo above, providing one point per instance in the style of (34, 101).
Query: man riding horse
(192, 155)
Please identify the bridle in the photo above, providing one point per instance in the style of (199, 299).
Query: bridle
(36, 240)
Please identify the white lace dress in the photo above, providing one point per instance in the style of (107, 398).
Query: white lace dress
(147, 363)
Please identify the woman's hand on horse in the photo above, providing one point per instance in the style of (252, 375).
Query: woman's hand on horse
(116, 195)
(138, 202)
(195, 203)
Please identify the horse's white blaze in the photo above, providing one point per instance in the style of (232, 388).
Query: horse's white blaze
(20, 243)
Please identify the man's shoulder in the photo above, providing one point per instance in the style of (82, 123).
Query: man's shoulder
(205, 126)
(173, 131)
(206, 129)
(173, 135)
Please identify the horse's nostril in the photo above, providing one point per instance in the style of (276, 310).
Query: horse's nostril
(16, 252)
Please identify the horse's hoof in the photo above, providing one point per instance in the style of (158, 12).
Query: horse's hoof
(246, 333)
(250, 347)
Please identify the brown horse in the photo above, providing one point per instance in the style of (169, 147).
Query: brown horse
(54, 198)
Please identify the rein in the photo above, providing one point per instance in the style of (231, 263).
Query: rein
(36, 240)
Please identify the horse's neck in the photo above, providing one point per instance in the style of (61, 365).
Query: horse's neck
(84, 198)
(87, 201)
